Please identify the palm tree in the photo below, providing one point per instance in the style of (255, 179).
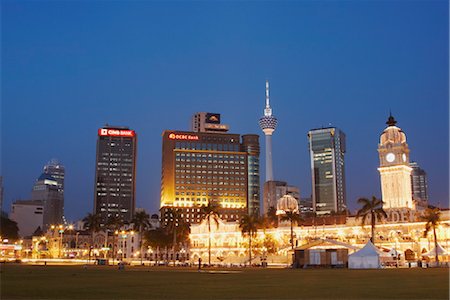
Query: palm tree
(292, 217)
(372, 208)
(432, 217)
(172, 227)
(93, 224)
(272, 216)
(210, 213)
(249, 226)
(141, 221)
(114, 223)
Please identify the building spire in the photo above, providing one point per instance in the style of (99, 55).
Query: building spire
(267, 110)
(391, 121)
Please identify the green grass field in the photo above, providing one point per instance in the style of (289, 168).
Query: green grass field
(107, 282)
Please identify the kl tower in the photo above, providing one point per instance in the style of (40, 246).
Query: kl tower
(268, 123)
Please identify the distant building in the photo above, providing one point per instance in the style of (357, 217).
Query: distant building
(327, 148)
(305, 205)
(208, 122)
(46, 190)
(29, 216)
(419, 183)
(57, 171)
(274, 190)
(115, 173)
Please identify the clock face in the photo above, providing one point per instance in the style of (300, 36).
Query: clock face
(390, 157)
(404, 157)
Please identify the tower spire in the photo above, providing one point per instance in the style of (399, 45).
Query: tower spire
(267, 110)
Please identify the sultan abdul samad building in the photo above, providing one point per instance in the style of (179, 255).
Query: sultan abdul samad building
(400, 234)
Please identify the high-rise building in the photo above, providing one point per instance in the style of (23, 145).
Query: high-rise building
(274, 190)
(327, 148)
(46, 189)
(394, 169)
(115, 173)
(419, 183)
(203, 167)
(57, 171)
(208, 122)
(250, 145)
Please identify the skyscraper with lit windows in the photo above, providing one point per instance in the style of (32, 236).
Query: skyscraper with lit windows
(327, 148)
(202, 167)
(115, 173)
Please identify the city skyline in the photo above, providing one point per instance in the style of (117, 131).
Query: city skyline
(61, 85)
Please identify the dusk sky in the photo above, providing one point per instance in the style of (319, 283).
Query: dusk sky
(69, 67)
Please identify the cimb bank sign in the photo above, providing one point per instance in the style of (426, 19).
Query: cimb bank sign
(116, 132)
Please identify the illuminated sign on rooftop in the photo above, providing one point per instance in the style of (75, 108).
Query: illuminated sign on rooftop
(116, 132)
(190, 137)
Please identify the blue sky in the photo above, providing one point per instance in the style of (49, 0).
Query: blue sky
(69, 67)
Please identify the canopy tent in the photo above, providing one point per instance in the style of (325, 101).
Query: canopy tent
(366, 258)
(441, 251)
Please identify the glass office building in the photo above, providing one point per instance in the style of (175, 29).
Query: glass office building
(327, 148)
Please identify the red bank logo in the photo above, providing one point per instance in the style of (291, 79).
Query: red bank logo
(174, 136)
(116, 132)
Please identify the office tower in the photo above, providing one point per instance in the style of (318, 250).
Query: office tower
(274, 190)
(203, 167)
(268, 123)
(327, 148)
(394, 169)
(250, 145)
(57, 171)
(208, 122)
(419, 183)
(29, 216)
(115, 173)
(46, 189)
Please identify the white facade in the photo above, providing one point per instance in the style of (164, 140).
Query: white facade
(29, 215)
(394, 169)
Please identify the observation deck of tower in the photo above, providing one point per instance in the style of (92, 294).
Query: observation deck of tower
(268, 124)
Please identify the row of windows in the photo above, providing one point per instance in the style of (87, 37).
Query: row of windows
(208, 166)
(210, 155)
(209, 172)
(211, 177)
(114, 195)
(205, 146)
(208, 182)
(115, 174)
(204, 160)
(193, 188)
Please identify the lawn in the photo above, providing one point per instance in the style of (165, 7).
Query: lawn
(107, 282)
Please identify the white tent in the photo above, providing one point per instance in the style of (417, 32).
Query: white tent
(366, 258)
(441, 252)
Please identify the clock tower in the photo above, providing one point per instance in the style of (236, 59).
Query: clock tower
(394, 167)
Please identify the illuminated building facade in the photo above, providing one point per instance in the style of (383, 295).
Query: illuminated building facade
(394, 169)
(201, 167)
(327, 148)
(419, 183)
(115, 173)
(401, 232)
